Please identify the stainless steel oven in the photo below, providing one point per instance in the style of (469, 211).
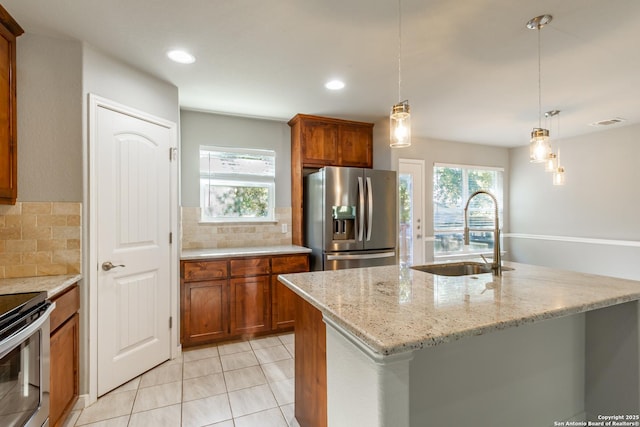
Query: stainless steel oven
(24, 359)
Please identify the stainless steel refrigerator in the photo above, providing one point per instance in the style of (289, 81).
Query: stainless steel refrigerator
(350, 217)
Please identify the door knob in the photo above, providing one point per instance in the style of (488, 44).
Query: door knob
(106, 266)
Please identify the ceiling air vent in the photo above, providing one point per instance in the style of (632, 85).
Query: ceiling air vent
(608, 122)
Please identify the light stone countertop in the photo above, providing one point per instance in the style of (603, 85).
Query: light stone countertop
(394, 310)
(196, 254)
(53, 285)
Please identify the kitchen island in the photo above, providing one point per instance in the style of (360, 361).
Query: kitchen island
(535, 347)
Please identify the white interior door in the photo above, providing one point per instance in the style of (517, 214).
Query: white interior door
(411, 240)
(132, 200)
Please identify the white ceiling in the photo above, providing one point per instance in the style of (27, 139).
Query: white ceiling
(469, 67)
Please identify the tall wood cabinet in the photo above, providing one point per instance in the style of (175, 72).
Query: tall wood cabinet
(321, 141)
(64, 360)
(237, 296)
(9, 30)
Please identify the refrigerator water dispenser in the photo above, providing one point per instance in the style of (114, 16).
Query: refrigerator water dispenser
(344, 222)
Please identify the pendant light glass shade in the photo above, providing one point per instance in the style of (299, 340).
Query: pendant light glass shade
(558, 176)
(400, 125)
(540, 146)
(551, 164)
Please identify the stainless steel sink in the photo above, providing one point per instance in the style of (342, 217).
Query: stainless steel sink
(463, 268)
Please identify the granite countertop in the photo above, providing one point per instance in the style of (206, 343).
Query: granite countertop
(53, 285)
(394, 310)
(195, 254)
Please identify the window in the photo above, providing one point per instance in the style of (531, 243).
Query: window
(237, 184)
(452, 186)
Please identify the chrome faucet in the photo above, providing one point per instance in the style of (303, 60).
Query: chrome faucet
(496, 265)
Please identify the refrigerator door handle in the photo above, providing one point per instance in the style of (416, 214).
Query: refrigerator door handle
(361, 196)
(360, 256)
(370, 208)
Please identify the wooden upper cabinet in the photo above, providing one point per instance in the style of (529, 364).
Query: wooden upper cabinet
(323, 141)
(9, 30)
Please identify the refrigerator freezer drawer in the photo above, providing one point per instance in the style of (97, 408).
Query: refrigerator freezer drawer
(357, 260)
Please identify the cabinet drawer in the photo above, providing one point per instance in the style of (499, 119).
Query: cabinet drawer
(249, 266)
(204, 270)
(67, 305)
(290, 264)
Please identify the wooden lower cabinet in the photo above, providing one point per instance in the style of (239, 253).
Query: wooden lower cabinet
(250, 305)
(205, 311)
(236, 297)
(64, 360)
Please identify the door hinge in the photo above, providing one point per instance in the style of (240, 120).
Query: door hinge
(170, 237)
(170, 322)
(173, 153)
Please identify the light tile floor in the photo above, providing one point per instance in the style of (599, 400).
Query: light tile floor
(238, 384)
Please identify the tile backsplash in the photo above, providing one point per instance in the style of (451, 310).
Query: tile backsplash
(197, 235)
(40, 239)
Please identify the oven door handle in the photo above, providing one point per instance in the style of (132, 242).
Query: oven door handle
(10, 343)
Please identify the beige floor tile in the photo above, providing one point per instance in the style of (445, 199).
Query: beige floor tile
(234, 347)
(250, 400)
(291, 348)
(167, 416)
(283, 391)
(280, 370)
(244, 378)
(269, 418)
(287, 338)
(265, 342)
(201, 387)
(238, 360)
(112, 422)
(165, 373)
(272, 354)
(108, 406)
(158, 396)
(288, 411)
(228, 423)
(200, 353)
(210, 410)
(131, 385)
(202, 367)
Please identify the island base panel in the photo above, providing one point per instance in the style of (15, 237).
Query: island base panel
(310, 366)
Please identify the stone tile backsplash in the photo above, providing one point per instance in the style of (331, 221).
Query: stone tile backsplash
(197, 235)
(40, 239)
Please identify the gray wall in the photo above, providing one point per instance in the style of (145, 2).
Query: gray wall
(438, 151)
(200, 128)
(49, 87)
(591, 223)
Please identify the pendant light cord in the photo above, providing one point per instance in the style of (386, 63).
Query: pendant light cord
(399, 50)
(539, 83)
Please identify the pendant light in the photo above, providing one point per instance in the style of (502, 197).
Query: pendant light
(400, 118)
(539, 145)
(551, 162)
(558, 174)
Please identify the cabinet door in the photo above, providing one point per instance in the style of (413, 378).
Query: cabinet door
(282, 298)
(64, 370)
(250, 305)
(205, 311)
(319, 144)
(8, 151)
(355, 146)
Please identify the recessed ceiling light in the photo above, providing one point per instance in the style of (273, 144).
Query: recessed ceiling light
(334, 85)
(181, 56)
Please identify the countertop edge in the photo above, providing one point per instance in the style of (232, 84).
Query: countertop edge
(218, 253)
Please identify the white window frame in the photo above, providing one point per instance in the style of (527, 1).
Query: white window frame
(466, 252)
(240, 180)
